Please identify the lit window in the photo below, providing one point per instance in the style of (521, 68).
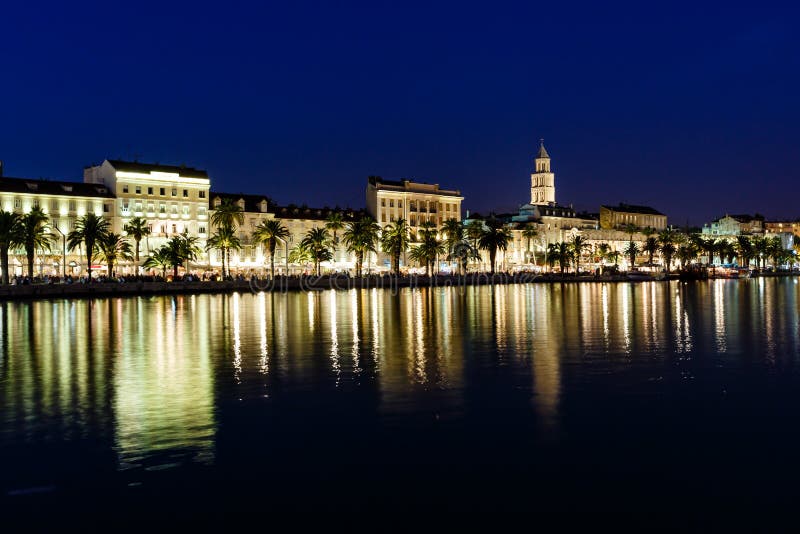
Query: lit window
(186, 210)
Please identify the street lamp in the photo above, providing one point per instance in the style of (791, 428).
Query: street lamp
(64, 254)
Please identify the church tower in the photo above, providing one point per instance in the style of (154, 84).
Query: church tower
(543, 182)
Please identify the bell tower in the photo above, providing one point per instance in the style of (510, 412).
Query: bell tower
(543, 182)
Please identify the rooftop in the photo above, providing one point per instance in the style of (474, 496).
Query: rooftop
(631, 208)
(135, 166)
(53, 187)
(410, 186)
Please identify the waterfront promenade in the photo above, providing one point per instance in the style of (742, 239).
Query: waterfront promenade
(295, 283)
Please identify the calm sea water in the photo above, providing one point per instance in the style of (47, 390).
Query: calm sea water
(662, 399)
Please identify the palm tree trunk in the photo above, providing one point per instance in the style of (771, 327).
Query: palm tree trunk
(89, 260)
(492, 256)
(4, 263)
(272, 264)
(29, 256)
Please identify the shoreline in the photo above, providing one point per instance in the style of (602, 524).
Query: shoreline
(308, 283)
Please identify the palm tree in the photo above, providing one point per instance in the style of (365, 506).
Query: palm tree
(631, 251)
(361, 237)
(686, 253)
(34, 235)
(395, 239)
(495, 236)
(181, 249)
(453, 235)
(138, 229)
(761, 250)
(710, 247)
(775, 251)
(89, 229)
(614, 256)
(299, 255)
(744, 247)
(529, 232)
(9, 234)
(267, 234)
(552, 255)
(474, 232)
(563, 252)
(429, 247)
(190, 250)
(602, 253)
(159, 260)
(112, 247)
(461, 253)
(578, 244)
(224, 240)
(666, 240)
(650, 247)
(228, 214)
(318, 244)
(333, 224)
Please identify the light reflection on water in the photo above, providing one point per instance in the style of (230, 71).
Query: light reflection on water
(152, 378)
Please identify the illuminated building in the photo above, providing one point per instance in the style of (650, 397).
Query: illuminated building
(298, 220)
(64, 202)
(733, 225)
(172, 199)
(390, 200)
(615, 217)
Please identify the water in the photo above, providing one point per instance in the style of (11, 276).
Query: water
(671, 399)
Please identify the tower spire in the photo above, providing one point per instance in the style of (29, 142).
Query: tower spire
(542, 150)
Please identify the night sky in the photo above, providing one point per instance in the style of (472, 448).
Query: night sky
(689, 109)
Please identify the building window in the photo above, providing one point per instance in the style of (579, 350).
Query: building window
(201, 211)
(391, 203)
(201, 230)
(124, 188)
(174, 209)
(71, 205)
(35, 203)
(105, 208)
(138, 207)
(138, 190)
(162, 191)
(174, 192)
(185, 193)
(186, 210)
(383, 202)
(149, 190)
(149, 207)
(201, 194)
(162, 208)
(174, 228)
(383, 218)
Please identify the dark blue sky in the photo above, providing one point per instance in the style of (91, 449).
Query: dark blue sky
(693, 110)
